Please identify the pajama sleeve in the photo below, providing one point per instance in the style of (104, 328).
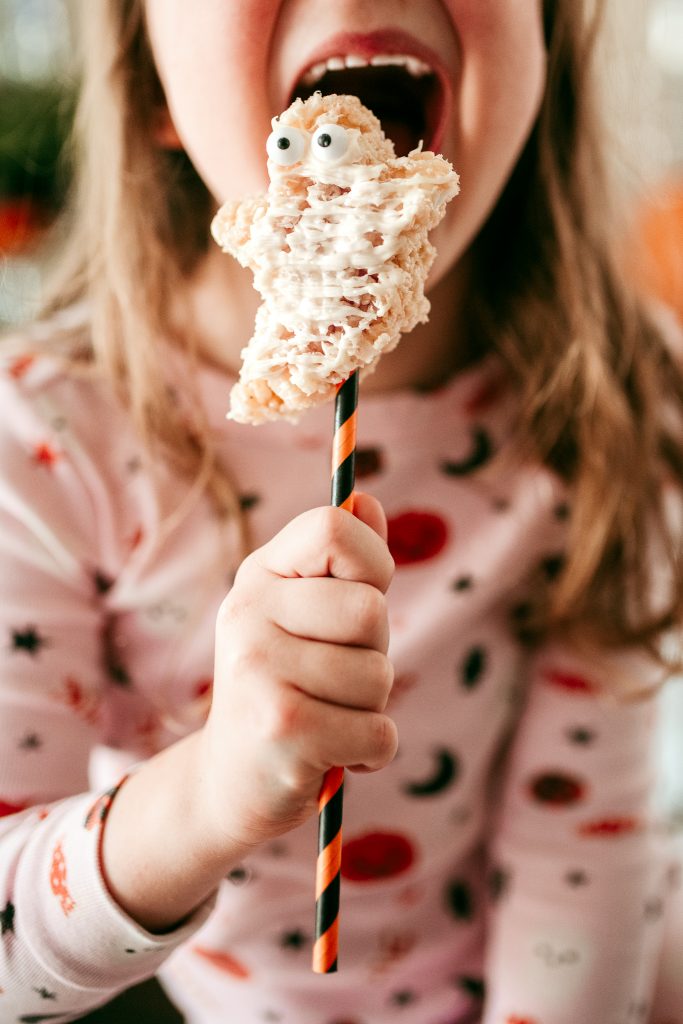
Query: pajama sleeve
(579, 873)
(65, 945)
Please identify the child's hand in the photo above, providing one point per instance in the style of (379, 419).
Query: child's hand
(301, 674)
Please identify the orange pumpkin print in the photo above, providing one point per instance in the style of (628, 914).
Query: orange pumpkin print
(223, 961)
(58, 883)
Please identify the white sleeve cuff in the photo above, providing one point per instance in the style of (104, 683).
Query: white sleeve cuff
(65, 914)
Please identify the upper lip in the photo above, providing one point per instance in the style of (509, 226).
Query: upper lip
(385, 41)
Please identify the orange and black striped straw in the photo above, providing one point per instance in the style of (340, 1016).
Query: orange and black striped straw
(330, 800)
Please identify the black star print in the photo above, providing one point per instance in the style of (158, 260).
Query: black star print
(28, 640)
(248, 501)
(552, 566)
(7, 919)
(521, 618)
(103, 583)
(472, 986)
(295, 939)
(521, 612)
(404, 998)
(119, 675)
(579, 734)
(576, 878)
(31, 741)
(462, 583)
(45, 993)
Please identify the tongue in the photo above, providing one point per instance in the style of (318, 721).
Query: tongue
(400, 134)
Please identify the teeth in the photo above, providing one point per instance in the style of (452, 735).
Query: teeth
(314, 74)
(413, 65)
(416, 67)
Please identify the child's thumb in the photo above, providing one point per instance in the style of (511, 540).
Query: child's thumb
(370, 511)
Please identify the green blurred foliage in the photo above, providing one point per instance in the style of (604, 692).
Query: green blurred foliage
(35, 120)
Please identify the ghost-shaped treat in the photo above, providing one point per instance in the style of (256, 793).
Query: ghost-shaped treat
(339, 251)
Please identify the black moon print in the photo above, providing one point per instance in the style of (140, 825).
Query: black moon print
(473, 667)
(37, 1018)
(7, 918)
(460, 900)
(480, 453)
(369, 461)
(446, 770)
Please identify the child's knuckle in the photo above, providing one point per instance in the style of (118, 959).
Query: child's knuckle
(248, 661)
(380, 675)
(227, 612)
(330, 526)
(235, 607)
(383, 739)
(386, 675)
(370, 609)
(282, 717)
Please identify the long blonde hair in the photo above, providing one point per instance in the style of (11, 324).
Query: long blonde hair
(589, 364)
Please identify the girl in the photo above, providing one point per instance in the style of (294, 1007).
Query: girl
(502, 862)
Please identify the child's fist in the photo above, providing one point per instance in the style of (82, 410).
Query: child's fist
(301, 675)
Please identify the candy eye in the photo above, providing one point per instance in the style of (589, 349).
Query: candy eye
(330, 143)
(286, 146)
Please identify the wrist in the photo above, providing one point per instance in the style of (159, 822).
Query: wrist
(216, 820)
(160, 857)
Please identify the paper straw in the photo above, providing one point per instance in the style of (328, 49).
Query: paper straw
(330, 800)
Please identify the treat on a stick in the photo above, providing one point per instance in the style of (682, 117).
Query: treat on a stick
(339, 251)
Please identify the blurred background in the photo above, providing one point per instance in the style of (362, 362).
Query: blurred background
(37, 83)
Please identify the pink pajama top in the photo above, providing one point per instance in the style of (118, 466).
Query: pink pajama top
(506, 868)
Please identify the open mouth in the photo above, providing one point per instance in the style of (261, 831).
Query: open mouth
(407, 94)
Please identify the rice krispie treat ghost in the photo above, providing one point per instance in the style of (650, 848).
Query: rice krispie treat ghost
(339, 251)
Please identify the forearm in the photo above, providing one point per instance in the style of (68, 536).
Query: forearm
(159, 857)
